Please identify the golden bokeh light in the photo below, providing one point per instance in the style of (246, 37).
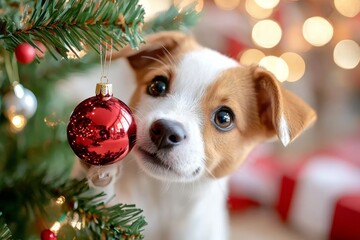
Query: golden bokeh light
(317, 31)
(227, 4)
(296, 65)
(199, 4)
(276, 66)
(18, 122)
(267, 4)
(266, 33)
(251, 56)
(60, 200)
(348, 8)
(153, 7)
(347, 54)
(256, 11)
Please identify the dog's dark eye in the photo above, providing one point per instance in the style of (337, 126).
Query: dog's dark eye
(223, 119)
(158, 86)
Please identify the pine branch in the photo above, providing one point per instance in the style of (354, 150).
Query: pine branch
(121, 221)
(5, 233)
(71, 25)
(34, 192)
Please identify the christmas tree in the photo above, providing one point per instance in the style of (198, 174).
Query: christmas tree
(41, 42)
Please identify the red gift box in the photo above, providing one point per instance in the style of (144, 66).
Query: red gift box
(346, 220)
(308, 198)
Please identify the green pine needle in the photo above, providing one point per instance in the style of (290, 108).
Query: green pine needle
(5, 233)
(121, 221)
(70, 25)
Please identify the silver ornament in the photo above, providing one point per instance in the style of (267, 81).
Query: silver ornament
(21, 102)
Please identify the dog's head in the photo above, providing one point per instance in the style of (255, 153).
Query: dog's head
(199, 113)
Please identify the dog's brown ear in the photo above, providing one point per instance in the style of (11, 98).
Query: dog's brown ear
(156, 46)
(280, 111)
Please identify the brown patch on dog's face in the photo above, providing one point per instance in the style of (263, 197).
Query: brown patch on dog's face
(233, 93)
(157, 57)
(258, 107)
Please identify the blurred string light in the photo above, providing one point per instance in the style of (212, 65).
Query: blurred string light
(296, 65)
(266, 33)
(251, 56)
(348, 8)
(199, 4)
(267, 4)
(55, 227)
(18, 122)
(317, 31)
(276, 66)
(347, 54)
(256, 11)
(227, 4)
(153, 7)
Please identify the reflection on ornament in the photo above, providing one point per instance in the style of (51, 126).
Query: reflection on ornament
(20, 102)
(101, 129)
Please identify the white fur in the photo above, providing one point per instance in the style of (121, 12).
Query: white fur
(193, 75)
(177, 204)
(283, 130)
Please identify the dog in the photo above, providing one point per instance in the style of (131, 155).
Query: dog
(198, 114)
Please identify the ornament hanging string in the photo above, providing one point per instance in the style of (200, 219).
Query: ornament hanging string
(99, 174)
(104, 64)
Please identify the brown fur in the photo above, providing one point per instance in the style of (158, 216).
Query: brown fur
(167, 47)
(258, 101)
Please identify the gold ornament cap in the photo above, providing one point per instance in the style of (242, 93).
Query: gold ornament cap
(104, 89)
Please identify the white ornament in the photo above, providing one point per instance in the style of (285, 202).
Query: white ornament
(20, 102)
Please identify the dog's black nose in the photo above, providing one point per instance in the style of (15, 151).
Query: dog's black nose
(166, 133)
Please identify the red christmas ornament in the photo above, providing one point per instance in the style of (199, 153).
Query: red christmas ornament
(25, 53)
(101, 129)
(48, 235)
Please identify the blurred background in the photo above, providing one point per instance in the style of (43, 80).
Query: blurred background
(310, 189)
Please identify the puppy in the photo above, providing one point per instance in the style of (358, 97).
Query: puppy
(198, 115)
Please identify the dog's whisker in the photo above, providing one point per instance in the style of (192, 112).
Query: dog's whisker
(155, 59)
(159, 69)
(169, 56)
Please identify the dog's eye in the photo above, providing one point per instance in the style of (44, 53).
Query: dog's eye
(158, 86)
(223, 119)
